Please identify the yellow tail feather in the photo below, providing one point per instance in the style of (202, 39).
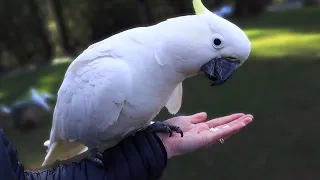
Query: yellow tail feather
(59, 151)
(65, 152)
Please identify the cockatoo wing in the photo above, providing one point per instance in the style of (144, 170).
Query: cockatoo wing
(89, 101)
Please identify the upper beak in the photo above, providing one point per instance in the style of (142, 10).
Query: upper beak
(219, 70)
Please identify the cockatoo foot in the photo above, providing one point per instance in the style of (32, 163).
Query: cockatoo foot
(96, 157)
(161, 127)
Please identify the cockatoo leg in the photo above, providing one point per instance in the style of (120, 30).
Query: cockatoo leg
(161, 127)
(96, 157)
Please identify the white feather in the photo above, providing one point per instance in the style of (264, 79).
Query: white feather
(175, 100)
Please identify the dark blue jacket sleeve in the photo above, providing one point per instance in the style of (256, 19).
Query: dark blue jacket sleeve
(139, 157)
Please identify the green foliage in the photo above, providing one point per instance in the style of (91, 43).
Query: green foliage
(279, 85)
(22, 34)
(34, 31)
(31, 31)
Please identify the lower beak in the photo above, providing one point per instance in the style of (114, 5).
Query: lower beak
(219, 70)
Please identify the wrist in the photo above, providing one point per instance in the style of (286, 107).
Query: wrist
(166, 145)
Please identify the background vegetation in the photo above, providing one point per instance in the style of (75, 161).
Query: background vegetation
(279, 83)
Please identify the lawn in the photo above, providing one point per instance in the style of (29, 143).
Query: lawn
(278, 84)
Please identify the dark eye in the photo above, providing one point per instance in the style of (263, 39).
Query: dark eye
(217, 41)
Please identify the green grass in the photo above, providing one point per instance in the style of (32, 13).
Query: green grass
(279, 85)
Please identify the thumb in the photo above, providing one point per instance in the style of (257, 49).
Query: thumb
(197, 118)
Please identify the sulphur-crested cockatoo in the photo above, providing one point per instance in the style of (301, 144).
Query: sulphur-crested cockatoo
(118, 85)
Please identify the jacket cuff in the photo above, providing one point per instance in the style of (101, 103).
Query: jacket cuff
(139, 157)
(144, 154)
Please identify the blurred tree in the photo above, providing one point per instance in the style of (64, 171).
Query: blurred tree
(309, 3)
(145, 14)
(180, 6)
(110, 17)
(76, 18)
(250, 7)
(41, 30)
(73, 24)
(61, 27)
(217, 3)
(23, 34)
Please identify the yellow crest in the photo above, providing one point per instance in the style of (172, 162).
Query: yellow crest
(198, 7)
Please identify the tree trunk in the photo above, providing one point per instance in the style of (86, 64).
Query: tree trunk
(180, 6)
(35, 9)
(62, 29)
(145, 14)
(259, 7)
(217, 3)
(240, 8)
(250, 7)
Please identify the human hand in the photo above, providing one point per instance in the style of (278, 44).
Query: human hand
(199, 134)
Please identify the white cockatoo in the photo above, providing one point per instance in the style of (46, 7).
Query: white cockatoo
(118, 85)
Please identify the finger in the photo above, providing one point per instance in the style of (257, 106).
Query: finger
(233, 127)
(224, 120)
(233, 122)
(228, 130)
(197, 118)
(243, 118)
(239, 119)
(228, 136)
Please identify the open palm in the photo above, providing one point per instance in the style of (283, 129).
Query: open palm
(200, 134)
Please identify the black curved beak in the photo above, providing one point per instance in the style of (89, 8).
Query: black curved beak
(220, 70)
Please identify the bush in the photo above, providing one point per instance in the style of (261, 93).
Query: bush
(309, 3)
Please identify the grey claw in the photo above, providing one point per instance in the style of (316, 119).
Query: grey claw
(164, 128)
(221, 140)
(96, 161)
(99, 155)
(96, 157)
